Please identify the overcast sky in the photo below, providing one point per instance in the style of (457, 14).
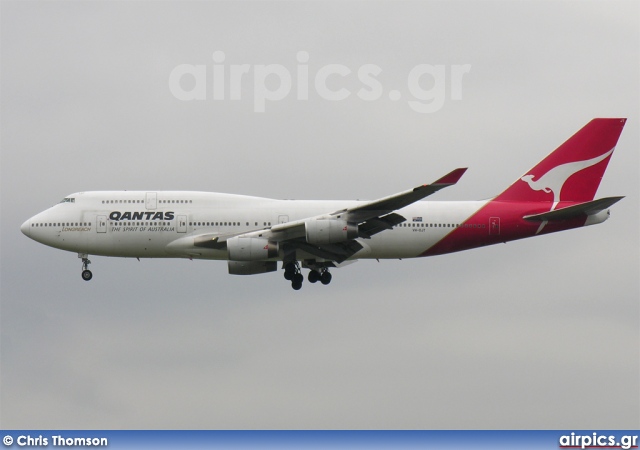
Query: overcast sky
(541, 333)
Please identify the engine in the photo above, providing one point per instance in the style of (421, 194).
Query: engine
(251, 249)
(329, 231)
(252, 267)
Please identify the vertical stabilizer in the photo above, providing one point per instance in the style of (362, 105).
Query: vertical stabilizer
(573, 171)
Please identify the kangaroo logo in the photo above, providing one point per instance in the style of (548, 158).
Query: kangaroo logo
(554, 179)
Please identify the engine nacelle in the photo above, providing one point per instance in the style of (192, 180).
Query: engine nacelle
(251, 249)
(251, 267)
(329, 231)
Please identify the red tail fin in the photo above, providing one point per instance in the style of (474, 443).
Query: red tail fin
(573, 171)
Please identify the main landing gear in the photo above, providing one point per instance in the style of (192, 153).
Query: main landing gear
(292, 273)
(86, 273)
(323, 276)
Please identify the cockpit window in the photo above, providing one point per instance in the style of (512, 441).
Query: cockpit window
(68, 200)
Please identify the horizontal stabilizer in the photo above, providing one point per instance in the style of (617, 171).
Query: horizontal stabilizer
(582, 209)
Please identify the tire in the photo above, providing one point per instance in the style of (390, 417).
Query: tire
(325, 278)
(314, 276)
(289, 271)
(86, 275)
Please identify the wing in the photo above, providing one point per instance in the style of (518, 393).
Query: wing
(371, 218)
(378, 208)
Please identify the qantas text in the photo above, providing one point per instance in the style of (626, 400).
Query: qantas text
(141, 215)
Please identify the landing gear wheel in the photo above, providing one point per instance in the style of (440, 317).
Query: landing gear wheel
(314, 276)
(290, 270)
(296, 281)
(288, 275)
(325, 278)
(86, 273)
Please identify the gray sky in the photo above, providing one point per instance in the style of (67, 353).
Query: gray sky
(542, 333)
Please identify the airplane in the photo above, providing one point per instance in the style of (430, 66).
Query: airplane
(254, 234)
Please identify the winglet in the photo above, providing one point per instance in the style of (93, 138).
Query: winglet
(452, 177)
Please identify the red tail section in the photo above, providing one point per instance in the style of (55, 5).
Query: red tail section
(569, 176)
(573, 171)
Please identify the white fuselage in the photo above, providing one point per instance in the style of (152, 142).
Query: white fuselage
(161, 224)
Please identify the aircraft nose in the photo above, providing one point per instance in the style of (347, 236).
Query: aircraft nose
(26, 228)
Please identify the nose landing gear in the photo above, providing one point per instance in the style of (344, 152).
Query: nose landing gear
(86, 273)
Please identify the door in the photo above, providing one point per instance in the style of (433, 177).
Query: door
(182, 224)
(494, 225)
(283, 219)
(101, 224)
(151, 200)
